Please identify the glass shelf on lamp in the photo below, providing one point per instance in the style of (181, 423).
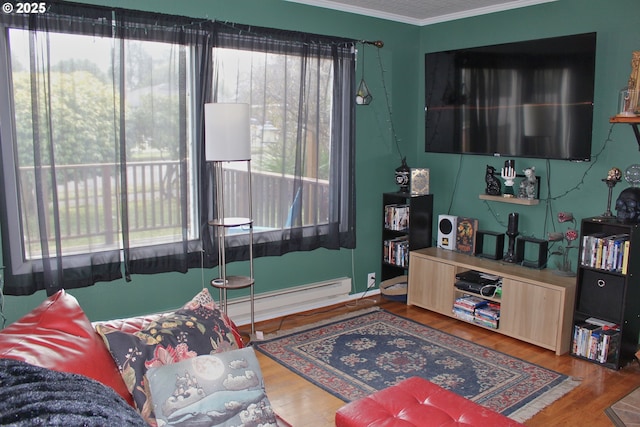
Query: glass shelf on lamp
(233, 282)
(230, 222)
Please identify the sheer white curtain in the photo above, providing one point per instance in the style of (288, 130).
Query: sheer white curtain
(101, 142)
(300, 90)
(99, 146)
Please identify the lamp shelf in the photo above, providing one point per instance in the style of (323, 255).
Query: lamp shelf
(632, 120)
(233, 282)
(230, 222)
(514, 200)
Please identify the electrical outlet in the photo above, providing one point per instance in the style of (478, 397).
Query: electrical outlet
(371, 280)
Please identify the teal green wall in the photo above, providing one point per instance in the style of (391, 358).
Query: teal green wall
(576, 187)
(402, 67)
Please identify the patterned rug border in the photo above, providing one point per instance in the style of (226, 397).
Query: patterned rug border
(342, 317)
(521, 414)
(544, 400)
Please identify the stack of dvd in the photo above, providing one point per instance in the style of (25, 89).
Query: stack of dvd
(464, 307)
(487, 316)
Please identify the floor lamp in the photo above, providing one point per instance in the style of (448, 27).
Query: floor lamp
(227, 139)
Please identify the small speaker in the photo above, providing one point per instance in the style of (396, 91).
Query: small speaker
(447, 231)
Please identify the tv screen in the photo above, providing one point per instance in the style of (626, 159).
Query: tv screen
(523, 99)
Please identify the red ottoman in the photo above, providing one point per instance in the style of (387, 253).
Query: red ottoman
(418, 402)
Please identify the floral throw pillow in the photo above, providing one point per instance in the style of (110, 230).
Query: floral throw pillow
(196, 329)
(225, 389)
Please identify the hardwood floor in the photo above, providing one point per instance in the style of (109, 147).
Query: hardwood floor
(303, 404)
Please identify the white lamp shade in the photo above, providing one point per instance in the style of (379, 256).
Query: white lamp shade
(226, 132)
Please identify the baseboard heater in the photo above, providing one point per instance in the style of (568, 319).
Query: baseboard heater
(269, 305)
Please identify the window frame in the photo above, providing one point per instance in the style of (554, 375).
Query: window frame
(339, 233)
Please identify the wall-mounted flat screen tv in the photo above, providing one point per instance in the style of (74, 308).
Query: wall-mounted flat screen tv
(524, 99)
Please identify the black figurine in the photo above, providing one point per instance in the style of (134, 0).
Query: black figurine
(493, 184)
(628, 206)
(402, 176)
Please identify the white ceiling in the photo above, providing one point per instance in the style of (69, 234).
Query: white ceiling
(421, 12)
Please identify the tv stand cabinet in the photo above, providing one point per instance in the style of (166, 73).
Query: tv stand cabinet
(536, 306)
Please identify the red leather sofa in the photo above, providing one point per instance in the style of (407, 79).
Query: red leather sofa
(418, 402)
(58, 335)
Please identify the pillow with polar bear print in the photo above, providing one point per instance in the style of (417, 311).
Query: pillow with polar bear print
(222, 389)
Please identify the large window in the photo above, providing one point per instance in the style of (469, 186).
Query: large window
(71, 114)
(299, 89)
(101, 131)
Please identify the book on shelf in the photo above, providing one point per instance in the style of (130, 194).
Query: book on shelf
(581, 335)
(611, 343)
(494, 305)
(605, 252)
(487, 312)
(595, 342)
(396, 217)
(625, 258)
(487, 323)
(469, 302)
(463, 314)
(477, 310)
(487, 316)
(396, 251)
(466, 235)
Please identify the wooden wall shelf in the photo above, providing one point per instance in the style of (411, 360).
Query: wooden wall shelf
(625, 119)
(633, 121)
(514, 200)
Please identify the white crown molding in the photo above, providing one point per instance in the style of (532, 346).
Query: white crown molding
(484, 11)
(328, 4)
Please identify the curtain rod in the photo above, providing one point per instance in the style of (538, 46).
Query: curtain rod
(185, 22)
(376, 43)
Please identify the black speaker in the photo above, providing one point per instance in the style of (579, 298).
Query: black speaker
(541, 257)
(601, 295)
(495, 250)
(447, 231)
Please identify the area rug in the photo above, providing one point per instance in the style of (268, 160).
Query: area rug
(626, 411)
(358, 355)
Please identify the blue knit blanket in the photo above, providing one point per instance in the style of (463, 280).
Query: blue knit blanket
(35, 396)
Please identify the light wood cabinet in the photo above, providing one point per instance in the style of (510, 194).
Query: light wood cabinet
(434, 298)
(536, 306)
(522, 308)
